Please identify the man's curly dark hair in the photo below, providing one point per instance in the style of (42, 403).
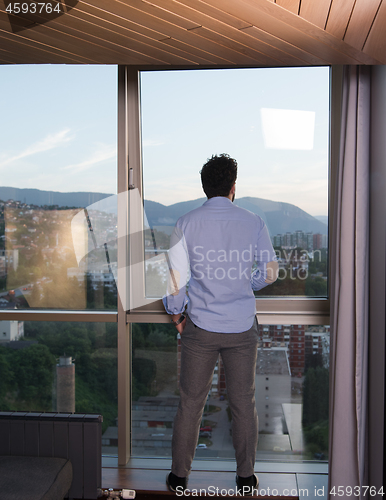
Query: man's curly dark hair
(218, 175)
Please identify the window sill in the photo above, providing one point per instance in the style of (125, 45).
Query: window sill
(277, 479)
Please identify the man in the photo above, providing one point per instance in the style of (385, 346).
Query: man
(213, 249)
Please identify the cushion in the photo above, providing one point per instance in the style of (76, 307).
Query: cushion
(35, 478)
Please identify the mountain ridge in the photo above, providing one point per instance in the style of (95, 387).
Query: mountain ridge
(280, 217)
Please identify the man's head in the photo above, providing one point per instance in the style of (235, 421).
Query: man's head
(218, 175)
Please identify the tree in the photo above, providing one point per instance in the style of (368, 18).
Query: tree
(315, 395)
(33, 374)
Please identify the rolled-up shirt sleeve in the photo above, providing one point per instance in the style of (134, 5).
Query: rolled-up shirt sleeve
(266, 269)
(176, 297)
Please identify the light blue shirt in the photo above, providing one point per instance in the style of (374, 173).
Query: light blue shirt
(212, 251)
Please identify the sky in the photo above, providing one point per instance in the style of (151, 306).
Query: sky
(274, 122)
(58, 127)
(58, 130)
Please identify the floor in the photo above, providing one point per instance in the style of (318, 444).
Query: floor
(290, 481)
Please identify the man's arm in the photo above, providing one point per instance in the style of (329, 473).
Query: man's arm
(272, 272)
(265, 274)
(267, 270)
(176, 298)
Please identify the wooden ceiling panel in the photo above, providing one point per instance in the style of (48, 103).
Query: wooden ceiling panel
(296, 31)
(283, 52)
(154, 11)
(70, 33)
(315, 11)
(101, 15)
(178, 32)
(362, 19)
(297, 55)
(6, 57)
(111, 44)
(376, 42)
(210, 59)
(235, 39)
(51, 42)
(216, 13)
(239, 54)
(33, 52)
(291, 5)
(159, 13)
(130, 11)
(195, 14)
(339, 17)
(119, 34)
(206, 33)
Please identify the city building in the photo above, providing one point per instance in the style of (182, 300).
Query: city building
(11, 330)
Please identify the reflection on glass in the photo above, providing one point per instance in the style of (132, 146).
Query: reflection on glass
(61, 367)
(56, 163)
(275, 123)
(292, 384)
(154, 388)
(157, 243)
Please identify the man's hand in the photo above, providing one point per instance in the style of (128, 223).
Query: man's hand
(181, 326)
(272, 272)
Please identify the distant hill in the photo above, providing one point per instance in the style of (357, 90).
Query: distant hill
(279, 217)
(322, 218)
(40, 198)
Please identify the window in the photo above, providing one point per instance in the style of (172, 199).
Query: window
(283, 169)
(298, 393)
(58, 299)
(62, 367)
(76, 285)
(58, 212)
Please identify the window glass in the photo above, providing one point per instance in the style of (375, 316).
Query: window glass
(294, 426)
(58, 181)
(61, 367)
(275, 123)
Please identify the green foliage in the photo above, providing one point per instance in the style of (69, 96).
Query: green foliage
(288, 286)
(156, 337)
(94, 400)
(317, 437)
(27, 375)
(6, 372)
(26, 378)
(315, 395)
(316, 287)
(144, 372)
(293, 281)
(34, 375)
(151, 337)
(313, 361)
(315, 408)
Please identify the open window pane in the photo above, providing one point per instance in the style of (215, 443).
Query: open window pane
(58, 184)
(275, 122)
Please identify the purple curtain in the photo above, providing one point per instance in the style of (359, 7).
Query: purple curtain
(350, 287)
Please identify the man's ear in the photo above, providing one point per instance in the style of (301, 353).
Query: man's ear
(233, 189)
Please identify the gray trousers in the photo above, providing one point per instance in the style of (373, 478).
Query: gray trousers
(199, 353)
